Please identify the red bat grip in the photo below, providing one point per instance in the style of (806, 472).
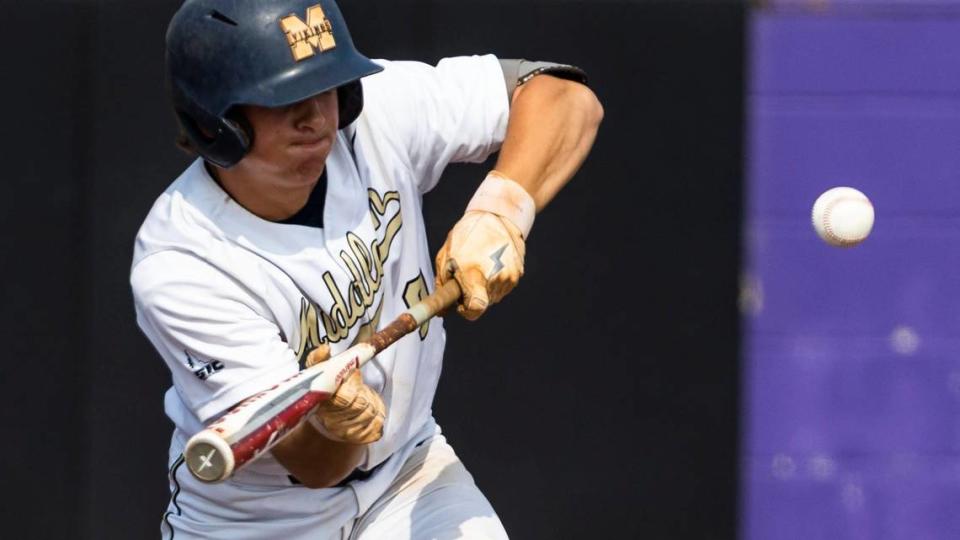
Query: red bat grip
(249, 447)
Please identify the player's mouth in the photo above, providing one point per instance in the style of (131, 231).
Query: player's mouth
(313, 144)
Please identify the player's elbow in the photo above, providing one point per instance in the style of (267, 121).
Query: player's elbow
(576, 100)
(588, 104)
(580, 104)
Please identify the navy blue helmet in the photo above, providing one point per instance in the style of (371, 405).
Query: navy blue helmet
(224, 53)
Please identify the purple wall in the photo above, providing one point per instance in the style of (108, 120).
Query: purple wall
(852, 357)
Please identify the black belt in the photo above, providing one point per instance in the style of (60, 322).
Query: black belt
(357, 474)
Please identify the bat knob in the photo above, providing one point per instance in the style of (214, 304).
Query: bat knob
(209, 457)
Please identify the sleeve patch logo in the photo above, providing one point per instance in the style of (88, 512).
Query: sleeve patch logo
(203, 370)
(305, 38)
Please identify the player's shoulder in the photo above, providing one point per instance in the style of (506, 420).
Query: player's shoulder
(183, 216)
(193, 192)
(399, 99)
(399, 76)
(166, 272)
(175, 278)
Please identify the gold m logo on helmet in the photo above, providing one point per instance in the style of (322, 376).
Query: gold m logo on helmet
(305, 38)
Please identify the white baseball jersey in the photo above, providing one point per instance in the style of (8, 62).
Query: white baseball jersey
(233, 303)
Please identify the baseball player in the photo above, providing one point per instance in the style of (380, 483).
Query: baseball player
(299, 228)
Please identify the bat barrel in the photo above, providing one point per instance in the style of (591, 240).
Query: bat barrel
(209, 457)
(216, 452)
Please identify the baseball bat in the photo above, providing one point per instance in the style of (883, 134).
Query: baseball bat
(258, 423)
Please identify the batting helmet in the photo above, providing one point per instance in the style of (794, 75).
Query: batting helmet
(224, 53)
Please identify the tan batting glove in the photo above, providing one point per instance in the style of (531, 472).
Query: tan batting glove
(484, 251)
(354, 414)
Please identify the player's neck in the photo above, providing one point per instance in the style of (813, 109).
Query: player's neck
(273, 199)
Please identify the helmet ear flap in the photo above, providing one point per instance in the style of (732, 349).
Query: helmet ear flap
(350, 99)
(241, 131)
(221, 141)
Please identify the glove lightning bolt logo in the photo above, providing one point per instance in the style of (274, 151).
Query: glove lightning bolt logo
(497, 263)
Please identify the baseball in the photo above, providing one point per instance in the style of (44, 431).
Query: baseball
(843, 217)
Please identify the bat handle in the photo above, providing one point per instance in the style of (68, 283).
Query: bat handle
(440, 300)
(209, 457)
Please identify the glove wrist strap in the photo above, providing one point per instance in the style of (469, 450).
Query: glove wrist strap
(504, 197)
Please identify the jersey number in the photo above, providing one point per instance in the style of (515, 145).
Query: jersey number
(416, 291)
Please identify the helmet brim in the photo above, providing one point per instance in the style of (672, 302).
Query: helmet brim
(303, 81)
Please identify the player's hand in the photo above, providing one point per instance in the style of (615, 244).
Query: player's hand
(354, 414)
(484, 253)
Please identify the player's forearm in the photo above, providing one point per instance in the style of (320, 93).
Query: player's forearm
(316, 461)
(553, 124)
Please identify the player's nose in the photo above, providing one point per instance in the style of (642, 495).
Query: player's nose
(310, 114)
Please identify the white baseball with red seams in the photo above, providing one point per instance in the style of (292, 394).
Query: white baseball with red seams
(843, 217)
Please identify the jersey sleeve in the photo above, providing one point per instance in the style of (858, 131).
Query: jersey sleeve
(456, 111)
(211, 332)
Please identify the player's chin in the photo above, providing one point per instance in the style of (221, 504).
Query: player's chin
(310, 166)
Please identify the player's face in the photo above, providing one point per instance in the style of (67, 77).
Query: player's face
(291, 143)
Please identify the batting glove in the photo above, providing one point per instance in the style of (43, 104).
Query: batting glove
(484, 251)
(354, 414)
